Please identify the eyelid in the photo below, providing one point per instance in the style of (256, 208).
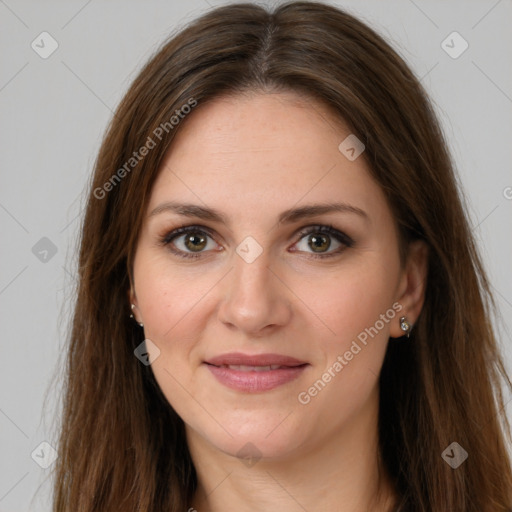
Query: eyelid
(183, 230)
(167, 239)
(327, 229)
(340, 236)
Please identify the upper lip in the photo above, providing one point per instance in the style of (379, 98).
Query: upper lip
(237, 358)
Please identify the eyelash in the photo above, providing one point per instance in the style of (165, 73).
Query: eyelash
(315, 229)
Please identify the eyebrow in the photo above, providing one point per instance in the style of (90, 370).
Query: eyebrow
(287, 217)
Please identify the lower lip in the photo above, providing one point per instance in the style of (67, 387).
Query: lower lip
(253, 381)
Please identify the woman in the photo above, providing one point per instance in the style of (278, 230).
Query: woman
(280, 301)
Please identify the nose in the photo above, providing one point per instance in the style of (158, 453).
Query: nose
(255, 298)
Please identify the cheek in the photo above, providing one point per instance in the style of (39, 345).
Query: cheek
(352, 301)
(172, 304)
(358, 307)
(170, 299)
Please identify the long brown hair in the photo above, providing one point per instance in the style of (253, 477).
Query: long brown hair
(122, 447)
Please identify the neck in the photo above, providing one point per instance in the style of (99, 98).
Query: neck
(340, 473)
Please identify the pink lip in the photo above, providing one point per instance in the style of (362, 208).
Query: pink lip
(252, 380)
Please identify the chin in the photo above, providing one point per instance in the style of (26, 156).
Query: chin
(266, 434)
(259, 447)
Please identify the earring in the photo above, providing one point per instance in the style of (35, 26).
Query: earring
(405, 326)
(131, 316)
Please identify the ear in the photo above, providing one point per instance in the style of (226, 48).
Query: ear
(132, 298)
(412, 286)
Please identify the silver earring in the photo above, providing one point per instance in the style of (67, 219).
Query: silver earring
(405, 326)
(131, 316)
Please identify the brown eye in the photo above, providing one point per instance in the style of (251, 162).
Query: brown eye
(188, 242)
(317, 240)
(319, 243)
(195, 242)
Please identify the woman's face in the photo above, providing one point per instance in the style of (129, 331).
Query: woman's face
(269, 331)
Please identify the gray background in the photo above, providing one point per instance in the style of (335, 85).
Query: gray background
(55, 110)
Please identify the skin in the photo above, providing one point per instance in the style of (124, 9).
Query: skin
(251, 157)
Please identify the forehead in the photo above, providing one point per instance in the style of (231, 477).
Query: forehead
(257, 151)
(272, 127)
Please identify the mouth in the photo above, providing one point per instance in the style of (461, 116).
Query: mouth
(245, 368)
(255, 373)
